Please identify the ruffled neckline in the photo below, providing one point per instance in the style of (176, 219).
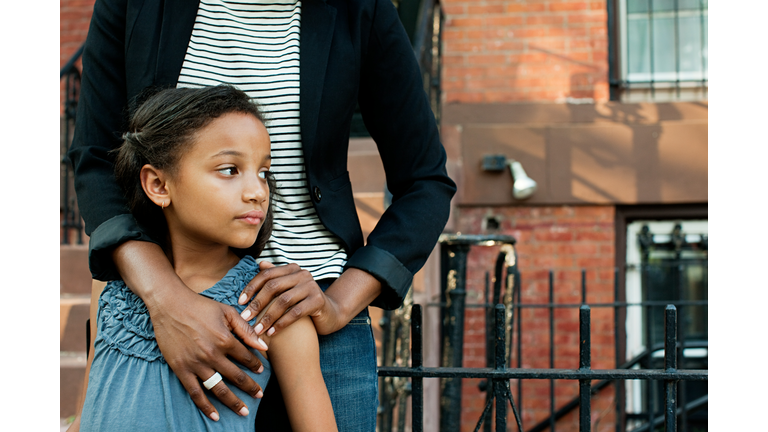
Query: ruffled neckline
(124, 322)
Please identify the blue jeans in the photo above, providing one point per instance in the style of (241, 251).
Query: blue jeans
(348, 363)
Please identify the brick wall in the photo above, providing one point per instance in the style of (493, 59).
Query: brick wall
(564, 239)
(524, 50)
(75, 17)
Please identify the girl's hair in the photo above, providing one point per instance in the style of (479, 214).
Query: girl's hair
(160, 130)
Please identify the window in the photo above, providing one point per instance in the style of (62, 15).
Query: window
(667, 262)
(662, 50)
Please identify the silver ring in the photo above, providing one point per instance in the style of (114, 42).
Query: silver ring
(212, 381)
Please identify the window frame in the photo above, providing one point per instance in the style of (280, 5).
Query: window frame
(621, 89)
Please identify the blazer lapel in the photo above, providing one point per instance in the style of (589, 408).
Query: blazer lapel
(178, 21)
(317, 24)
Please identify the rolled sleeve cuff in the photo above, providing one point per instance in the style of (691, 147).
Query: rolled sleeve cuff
(395, 279)
(105, 238)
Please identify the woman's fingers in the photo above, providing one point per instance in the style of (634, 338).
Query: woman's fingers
(256, 282)
(195, 337)
(271, 283)
(244, 331)
(300, 298)
(195, 390)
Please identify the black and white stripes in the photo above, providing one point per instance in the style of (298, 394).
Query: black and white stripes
(255, 47)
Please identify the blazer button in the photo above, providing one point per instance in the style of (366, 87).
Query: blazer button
(318, 194)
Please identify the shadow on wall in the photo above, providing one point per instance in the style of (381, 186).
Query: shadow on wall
(599, 153)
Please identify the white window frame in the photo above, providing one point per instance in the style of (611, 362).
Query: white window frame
(665, 86)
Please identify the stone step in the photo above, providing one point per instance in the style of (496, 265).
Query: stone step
(74, 313)
(72, 373)
(75, 278)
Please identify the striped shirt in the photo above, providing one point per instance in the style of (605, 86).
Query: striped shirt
(255, 47)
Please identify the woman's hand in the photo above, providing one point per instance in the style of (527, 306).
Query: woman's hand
(194, 333)
(286, 293)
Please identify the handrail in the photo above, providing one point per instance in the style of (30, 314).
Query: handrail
(67, 68)
(574, 403)
(70, 216)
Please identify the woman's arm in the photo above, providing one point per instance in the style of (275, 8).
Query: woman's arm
(194, 333)
(293, 294)
(295, 358)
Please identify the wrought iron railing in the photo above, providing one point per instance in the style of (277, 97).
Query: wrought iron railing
(69, 213)
(502, 330)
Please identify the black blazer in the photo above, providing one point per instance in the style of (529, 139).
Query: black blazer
(351, 51)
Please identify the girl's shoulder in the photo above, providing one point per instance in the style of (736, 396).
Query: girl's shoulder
(229, 288)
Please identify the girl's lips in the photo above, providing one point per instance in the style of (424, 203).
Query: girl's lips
(253, 217)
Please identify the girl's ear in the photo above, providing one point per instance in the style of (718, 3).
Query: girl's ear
(155, 185)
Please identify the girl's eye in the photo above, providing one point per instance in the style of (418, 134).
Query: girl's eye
(230, 171)
(263, 174)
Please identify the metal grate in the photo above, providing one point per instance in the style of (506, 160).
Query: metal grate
(658, 49)
(659, 362)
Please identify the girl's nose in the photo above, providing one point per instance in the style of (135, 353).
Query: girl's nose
(256, 189)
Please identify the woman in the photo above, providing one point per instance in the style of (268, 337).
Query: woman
(349, 51)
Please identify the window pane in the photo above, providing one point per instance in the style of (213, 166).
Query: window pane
(637, 6)
(690, 4)
(678, 50)
(638, 49)
(664, 49)
(663, 5)
(705, 50)
(690, 48)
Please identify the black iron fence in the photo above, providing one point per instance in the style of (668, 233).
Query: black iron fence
(659, 367)
(71, 223)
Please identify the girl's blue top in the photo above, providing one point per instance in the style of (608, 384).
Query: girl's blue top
(131, 387)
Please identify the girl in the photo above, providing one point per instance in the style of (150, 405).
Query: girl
(195, 170)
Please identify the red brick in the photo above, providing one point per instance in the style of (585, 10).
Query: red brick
(504, 20)
(464, 22)
(546, 19)
(504, 96)
(493, 33)
(524, 7)
(453, 60)
(465, 72)
(499, 45)
(454, 9)
(465, 97)
(453, 85)
(452, 34)
(463, 47)
(531, 32)
(595, 235)
(480, 59)
(486, 9)
(588, 17)
(567, 31)
(567, 6)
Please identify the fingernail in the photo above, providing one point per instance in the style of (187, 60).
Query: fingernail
(215, 416)
(262, 343)
(271, 331)
(260, 394)
(246, 313)
(242, 298)
(244, 411)
(259, 328)
(261, 369)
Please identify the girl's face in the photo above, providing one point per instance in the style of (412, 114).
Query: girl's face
(219, 194)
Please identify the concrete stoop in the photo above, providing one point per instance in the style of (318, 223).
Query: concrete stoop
(75, 295)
